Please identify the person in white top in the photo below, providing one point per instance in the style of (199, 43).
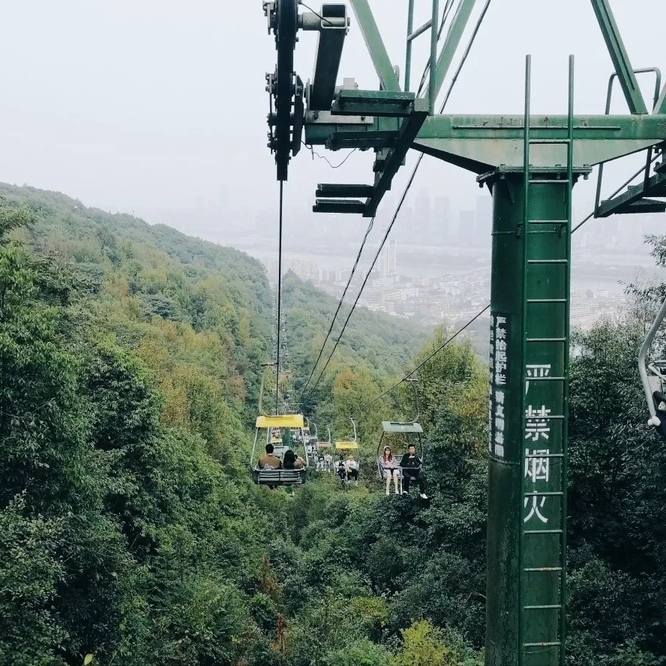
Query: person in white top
(351, 466)
(390, 467)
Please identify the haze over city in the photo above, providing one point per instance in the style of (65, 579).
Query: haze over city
(159, 110)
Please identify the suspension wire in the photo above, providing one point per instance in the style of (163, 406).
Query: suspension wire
(445, 14)
(406, 190)
(279, 299)
(372, 265)
(429, 357)
(342, 298)
(478, 314)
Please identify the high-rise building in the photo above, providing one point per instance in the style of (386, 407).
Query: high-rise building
(388, 259)
(442, 232)
(484, 219)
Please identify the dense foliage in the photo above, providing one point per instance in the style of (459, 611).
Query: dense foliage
(131, 534)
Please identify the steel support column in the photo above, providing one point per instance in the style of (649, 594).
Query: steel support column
(527, 410)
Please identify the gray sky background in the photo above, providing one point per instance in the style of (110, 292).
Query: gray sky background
(140, 105)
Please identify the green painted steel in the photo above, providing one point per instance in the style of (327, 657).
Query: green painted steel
(660, 106)
(373, 40)
(451, 43)
(480, 143)
(529, 301)
(434, 36)
(633, 199)
(618, 54)
(528, 407)
(408, 48)
(530, 163)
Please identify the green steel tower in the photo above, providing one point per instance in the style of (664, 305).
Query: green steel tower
(530, 163)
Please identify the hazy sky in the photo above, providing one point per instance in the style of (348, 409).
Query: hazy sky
(139, 105)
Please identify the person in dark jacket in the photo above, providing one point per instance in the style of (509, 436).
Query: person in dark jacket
(411, 471)
(289, 460)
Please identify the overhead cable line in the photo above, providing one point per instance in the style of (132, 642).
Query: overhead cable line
(314, 154)
(279, 298)
(429, 357)
(369, 272)
(447, 11)
(478, 314)
(317, 14)
(342, 298)
(406, 190)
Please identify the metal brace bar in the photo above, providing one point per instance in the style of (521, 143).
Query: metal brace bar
(373, 40)
(419, 31)
(618, 54)
(408, 48)
(633, 194)
(451, 43)
(660, 106)
(408, 130)
(434, 38)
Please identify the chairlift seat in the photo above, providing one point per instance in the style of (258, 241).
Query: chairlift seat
(657, 376)
(278, 477)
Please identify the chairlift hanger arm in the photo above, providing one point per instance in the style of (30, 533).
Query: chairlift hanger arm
(642, 356)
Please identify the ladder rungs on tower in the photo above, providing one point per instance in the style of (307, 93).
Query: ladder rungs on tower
(546, 288)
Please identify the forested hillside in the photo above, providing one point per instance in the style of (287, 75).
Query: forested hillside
(131, 533)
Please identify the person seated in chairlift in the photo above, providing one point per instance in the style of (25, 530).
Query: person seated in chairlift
(289, 460)
(299, 463)
(411, 471)
(389, 465)
(341, 469)
(351, 468)
(270, 460)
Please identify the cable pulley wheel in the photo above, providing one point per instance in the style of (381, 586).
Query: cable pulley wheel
(284, 87)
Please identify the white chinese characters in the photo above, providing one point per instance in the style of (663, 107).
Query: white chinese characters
(537, 503)
(537, 423)
(536, 371)
(498, 373)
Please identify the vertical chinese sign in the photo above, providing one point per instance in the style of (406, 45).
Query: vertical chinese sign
(497, 392)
